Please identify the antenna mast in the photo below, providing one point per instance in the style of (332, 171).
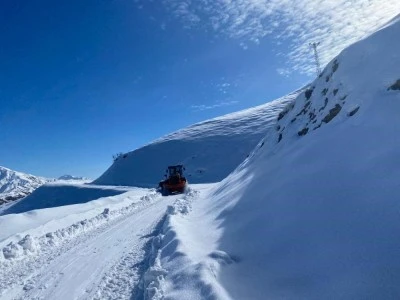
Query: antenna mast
(316, 57)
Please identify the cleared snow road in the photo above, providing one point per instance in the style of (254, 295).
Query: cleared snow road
(105, 264)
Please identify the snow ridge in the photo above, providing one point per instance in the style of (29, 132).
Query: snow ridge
(171, 273)
(153, 278)
(29, 245)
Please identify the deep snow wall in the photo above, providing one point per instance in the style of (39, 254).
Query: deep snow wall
(210, 150)
(313, 213)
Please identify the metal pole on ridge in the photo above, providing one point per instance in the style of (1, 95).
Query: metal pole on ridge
(316, 57)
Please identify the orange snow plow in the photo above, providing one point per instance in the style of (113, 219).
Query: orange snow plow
(175, 182)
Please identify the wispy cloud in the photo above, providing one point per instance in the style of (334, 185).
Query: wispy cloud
(284, 72)
(223, 87)
(184, 10)
(212, 106)
(335, 23)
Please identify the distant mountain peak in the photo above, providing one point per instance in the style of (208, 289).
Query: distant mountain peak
(71, 177)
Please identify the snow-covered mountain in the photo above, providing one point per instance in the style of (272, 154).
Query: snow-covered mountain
(209, 150)
(313, 213)
(71, 177)
(15, 185)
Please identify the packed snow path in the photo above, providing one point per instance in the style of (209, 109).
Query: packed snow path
(104, 263)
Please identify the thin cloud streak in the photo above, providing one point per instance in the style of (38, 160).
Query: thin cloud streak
(213, 106)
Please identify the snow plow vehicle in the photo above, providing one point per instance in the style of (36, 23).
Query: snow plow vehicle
(175, 182)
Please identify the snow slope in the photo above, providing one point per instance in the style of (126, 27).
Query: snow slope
(313, 213)
(15, 185)
(210, 150)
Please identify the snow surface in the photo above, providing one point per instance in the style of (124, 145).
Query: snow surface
(29, 213)
(209, 150)
(15, 185)
(96, 250)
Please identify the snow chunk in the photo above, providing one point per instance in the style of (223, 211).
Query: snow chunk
(12, 250)
(29, 244)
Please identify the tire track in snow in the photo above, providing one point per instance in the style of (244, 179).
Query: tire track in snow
(123, 280)
(137, 276)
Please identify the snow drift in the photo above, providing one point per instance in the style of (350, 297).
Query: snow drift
(313, 213)
(210, 150)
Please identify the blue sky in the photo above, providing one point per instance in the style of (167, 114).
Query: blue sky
(82, 80)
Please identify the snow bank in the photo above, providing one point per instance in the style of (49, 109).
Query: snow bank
(22, 242)
(39, 222)
(210, 150)
(174, 269)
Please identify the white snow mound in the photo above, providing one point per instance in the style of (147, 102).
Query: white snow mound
(209, 150)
